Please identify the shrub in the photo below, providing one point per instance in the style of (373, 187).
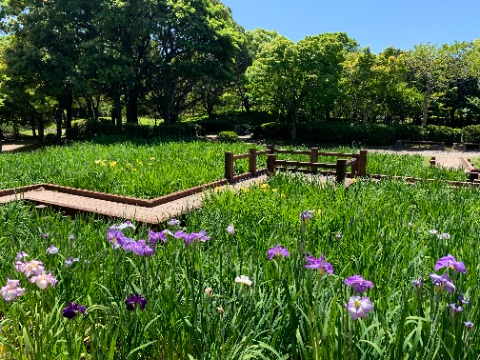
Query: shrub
(50, 139)
(227, 136)
(341, 132)
(273, 130)
(471, 134)
(90, 129)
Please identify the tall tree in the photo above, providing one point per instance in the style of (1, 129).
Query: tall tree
(47, 42)
(194, 42)
(428, 66)
(287, 78)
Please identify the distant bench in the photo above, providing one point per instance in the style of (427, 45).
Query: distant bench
(439, 145)
(466, 146)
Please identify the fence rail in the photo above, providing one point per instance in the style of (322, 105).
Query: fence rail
(357, 163)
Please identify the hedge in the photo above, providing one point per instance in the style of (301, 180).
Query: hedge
(365, 133)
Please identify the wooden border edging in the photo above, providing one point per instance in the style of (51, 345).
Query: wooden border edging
(117, 198)
(412, 179)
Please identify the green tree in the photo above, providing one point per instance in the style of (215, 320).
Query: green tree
(194, 43)
(46, 49)
(288, 78)
(428, 66)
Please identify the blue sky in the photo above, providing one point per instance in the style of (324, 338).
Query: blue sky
(373, 23)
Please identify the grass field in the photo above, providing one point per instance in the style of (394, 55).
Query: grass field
(151, 169)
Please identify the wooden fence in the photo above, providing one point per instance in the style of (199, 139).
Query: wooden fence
(356, 163)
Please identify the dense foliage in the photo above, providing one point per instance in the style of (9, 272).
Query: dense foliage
(253, 283)
(166, 59)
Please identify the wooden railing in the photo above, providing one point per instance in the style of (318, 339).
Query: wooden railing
(357, 163)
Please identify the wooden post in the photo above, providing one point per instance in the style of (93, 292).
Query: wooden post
(252, 162)
(314, 158)
(341, 171)
(229, 166)
(271, 164)
(271, 149)
(362, 163)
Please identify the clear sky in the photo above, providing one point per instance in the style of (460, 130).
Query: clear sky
(374, 23)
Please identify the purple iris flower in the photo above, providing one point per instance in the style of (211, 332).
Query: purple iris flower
(179, 234)
(72, 310)
(450, 262)
(70, 261)
(358, 307)
(320, 264)
(154, 237)
(141, 248)
(189, 238)
(202, 236)
(468, 325)
(21, 255)
(462, 300)
(456, 308)
(116, 237)
(133, 300)
(278, 251)
(173, 222)
(443, 282)
(359, 284)
(306, 215)
(52, 250)
(418, 283)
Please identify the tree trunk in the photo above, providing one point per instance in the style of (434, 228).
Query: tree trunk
(132, 106)
(117, 110)
(69, 108)
(32, 125)
(41, 128)
(58, 120)
(246, 104)
(426, 102)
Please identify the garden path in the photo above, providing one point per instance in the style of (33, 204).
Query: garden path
(73, 203)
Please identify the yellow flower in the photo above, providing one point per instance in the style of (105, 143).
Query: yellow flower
(274, 190)
(113, 163)
(243, 189)
(152, 158)
(102, 163)
(283, 196)
(318, 212)
(264, 186)
(97, 162)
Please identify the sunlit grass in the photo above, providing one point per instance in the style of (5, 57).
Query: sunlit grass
(380, 230)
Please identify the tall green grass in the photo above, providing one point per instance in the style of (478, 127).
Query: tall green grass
(151, 169)
(142, 169)
(381, 231)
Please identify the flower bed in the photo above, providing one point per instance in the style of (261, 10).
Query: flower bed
(280, 270)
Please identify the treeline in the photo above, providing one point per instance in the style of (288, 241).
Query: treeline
(166, 58)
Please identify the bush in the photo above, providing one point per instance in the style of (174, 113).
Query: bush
(89, 129)
(273, 130)
(227, 136)
(341, 132)
(471, 134)
(443, 133)
(50, 139)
